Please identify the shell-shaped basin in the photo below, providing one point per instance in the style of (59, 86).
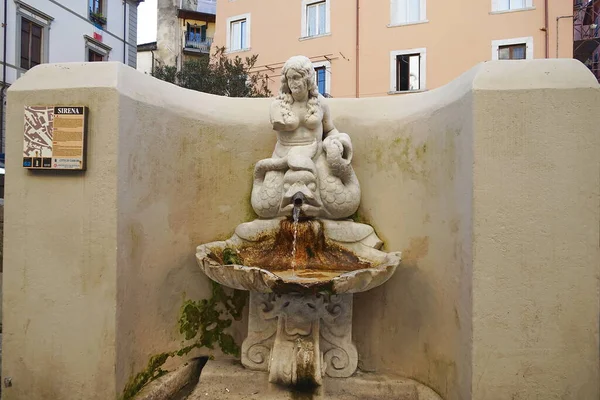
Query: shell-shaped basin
(342, 267)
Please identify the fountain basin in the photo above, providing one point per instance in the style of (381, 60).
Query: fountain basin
(335, 257)
(301, 275)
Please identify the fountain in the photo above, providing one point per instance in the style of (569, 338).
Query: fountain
(303, 258)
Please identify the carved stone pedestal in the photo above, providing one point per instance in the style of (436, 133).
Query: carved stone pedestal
(299, 338)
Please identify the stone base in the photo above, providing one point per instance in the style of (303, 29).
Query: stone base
(300, 338)
(228, 379)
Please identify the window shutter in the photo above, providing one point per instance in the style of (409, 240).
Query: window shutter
(322, 18)
(36, 45)
(25, 27)
(399, 11)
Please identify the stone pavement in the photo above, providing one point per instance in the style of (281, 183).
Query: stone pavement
(228, 379)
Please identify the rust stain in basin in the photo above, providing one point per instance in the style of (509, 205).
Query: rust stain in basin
(314, 254)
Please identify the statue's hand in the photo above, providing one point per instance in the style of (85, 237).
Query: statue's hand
(339, 141)
(335, 150)
(333, 147)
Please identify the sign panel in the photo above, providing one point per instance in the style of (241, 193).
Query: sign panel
(55, 137)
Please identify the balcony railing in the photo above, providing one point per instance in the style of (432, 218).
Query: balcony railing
(195, 41)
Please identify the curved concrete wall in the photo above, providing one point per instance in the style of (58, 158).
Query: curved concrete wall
(489, 186)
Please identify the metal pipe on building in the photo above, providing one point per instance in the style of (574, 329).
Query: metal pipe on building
(124, 31)
(357, 48)
(557, 19)
(546, 33)
(152, 67)
(3, 89)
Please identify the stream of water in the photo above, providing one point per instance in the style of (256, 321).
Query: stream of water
(296, 216)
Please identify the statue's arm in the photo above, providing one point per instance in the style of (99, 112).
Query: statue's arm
(336, 144)
(277, 116)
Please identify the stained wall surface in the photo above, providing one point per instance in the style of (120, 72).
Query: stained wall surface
(488, 185)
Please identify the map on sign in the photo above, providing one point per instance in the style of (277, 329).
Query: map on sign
(54, 137)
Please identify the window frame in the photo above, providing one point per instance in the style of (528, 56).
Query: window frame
(97, 47)
(327, 66)
(527, 41)
(528, 5)
(422, 52)
(39, 18)
(304, 19)
(24, 22)
(511, 48)
(230, 21)
(422, 14)
(96, 53)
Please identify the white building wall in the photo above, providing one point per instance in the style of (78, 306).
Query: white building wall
(68, 26)
(67, 29)
(144, 62)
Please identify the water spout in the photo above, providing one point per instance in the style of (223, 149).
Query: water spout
(298, 199)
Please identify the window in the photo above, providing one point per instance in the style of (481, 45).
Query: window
(196, 33)
(238, 35)
(315, 18)
(511, 5)
(96, 6)
(238, 32)
(513, 49)
(31, 44)
(95, 50)
(97, 13)
(407, 70)
(93, 56)
(512, 52)
(32, 29)
(407, 11)
(320, 78)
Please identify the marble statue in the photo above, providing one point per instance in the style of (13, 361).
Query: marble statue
(310, 157)
(303, 258)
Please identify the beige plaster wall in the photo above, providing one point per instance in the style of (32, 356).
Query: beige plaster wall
(415, 179)
(60, 271)
(485, 292)
(536, 244)
(185, 168)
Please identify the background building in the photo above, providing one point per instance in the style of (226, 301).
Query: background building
(185, 29)
(586, 44)
(52, 31)
(146, 57)
(366, 48)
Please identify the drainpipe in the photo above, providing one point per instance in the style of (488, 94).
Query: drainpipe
(357, 48)
(3, 89)
(557, 19)
(124, 31)
(546, 33)
(152, 68)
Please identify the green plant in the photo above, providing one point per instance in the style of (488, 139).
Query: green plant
(203, 321)
(97, 17)
(218, 74)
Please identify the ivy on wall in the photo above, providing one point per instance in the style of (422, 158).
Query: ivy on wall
(203, 321)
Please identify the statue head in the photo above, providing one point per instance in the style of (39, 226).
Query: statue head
(302, 66)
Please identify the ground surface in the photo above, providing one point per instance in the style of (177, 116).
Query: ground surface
(227, 379)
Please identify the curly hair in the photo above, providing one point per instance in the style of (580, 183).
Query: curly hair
(304, 67)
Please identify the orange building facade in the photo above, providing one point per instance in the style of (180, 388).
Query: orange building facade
(364, 48)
